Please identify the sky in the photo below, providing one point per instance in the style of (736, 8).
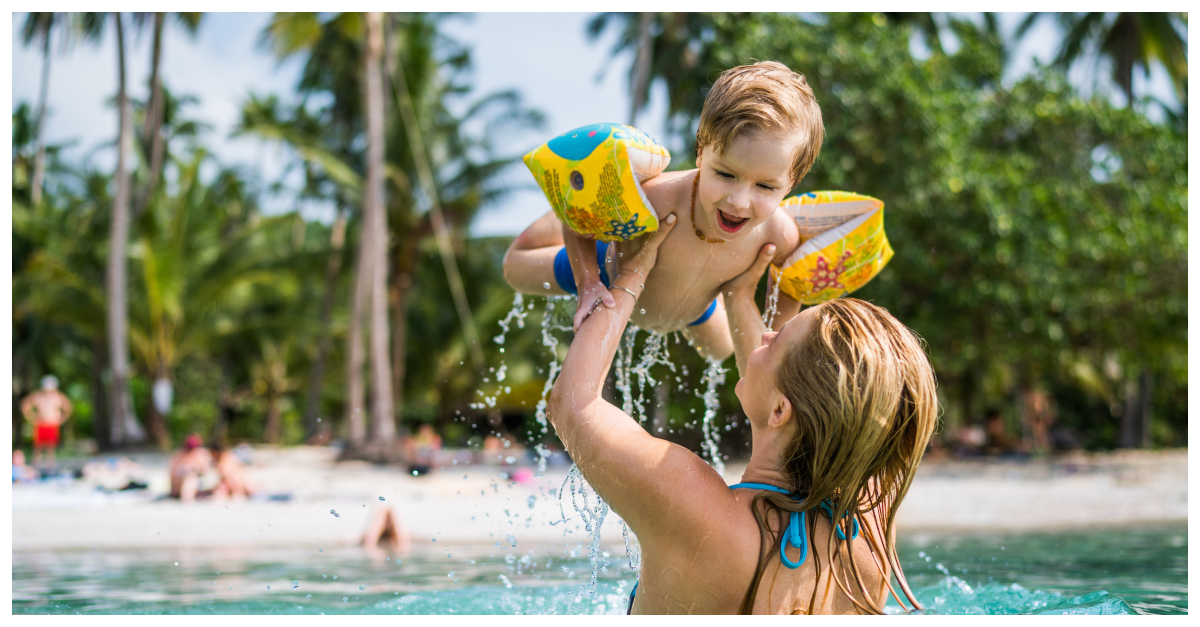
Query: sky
(547, 57)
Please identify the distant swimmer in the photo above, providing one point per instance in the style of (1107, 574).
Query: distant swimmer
(47, 409)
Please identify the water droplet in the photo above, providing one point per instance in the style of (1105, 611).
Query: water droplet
(295, 584)
(334, 512)
(268, 587)
(434, 539)
(345, 599)
(414, 473)
(512, 539)
(381, 498)
(335, 576)
(362, 587)
(546, 285)
(176, 563)
(324, 576)
(643, 310)
(532, 500)
(510, 559)
(308, 596)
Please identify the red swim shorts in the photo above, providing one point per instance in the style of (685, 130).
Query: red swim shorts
(45, 435)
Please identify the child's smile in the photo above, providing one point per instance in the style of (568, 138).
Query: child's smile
(745, 183)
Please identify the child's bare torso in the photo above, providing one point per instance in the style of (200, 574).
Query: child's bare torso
(690, 271)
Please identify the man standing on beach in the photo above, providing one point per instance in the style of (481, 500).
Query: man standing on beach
(47, 409)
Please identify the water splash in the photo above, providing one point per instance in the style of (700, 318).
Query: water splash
(768, 316)
(634, 551)
(713, 377)
(593, 519)
(551, 343)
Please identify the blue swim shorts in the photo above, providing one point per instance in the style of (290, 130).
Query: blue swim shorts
(566, 278)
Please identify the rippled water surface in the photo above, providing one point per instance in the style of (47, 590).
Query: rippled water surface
(1139, 570)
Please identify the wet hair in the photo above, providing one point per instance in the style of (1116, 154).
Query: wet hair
(864, 401)
(765, 96)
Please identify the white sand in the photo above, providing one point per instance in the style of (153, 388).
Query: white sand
(1084, 490)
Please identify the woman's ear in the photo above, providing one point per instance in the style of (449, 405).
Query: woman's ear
(781, 412)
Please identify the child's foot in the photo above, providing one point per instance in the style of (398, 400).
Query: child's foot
(591, 295)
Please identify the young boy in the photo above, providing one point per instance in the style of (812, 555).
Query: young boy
(760, 132)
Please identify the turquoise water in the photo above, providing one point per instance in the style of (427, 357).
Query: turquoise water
(1139, 570)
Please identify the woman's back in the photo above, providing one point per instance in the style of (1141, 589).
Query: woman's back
(707, 568)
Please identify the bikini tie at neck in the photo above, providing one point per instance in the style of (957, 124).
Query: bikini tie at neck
(795, 534)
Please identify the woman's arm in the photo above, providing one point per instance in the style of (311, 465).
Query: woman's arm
(649, 482)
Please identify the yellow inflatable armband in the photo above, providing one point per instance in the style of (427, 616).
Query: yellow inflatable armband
(592, 177)
(843, 245)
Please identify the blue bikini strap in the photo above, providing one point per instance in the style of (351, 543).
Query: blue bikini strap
(795, 533)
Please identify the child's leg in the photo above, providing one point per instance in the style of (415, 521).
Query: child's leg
(712, 336)
(529, 262)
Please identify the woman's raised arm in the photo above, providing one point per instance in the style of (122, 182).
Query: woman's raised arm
(637, 473)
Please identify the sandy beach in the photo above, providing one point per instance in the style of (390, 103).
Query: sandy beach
(474, 504)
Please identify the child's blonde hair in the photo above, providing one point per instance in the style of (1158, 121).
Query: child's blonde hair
(763, 96)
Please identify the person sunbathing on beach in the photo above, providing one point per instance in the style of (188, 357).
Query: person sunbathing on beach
(760, 132)
(841, 404)
(233, 483)
(186, 468)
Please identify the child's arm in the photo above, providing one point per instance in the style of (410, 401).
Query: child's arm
(590, 289)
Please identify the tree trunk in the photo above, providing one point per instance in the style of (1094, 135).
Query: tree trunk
(156, 420)
(125, 427)
(1134, 429)
(640, 76)
(18, 392)
(401, 284)
(224, 402)
(152, 131)
(100, 418)
(337, 240)
(383, 418)
(1145, 387)
(274, 418)
(39, 161)
(356, 432)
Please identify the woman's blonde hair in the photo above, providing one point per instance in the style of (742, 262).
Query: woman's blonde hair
(763, 96)
(864, 401)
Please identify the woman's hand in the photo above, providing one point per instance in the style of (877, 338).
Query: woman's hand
(641, 262)
(744, 284)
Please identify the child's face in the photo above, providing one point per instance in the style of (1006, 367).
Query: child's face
(741, 187)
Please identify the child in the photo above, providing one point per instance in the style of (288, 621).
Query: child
(760, 132)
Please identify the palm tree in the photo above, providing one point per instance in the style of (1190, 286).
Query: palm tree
(123, 420)
(200, 266)
(334, 49)
(432, 146)
(38, 26)
(325, 175)
(1126, 40)
(152, 131)
(383, 418)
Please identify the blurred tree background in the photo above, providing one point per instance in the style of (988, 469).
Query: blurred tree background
(1040, 233)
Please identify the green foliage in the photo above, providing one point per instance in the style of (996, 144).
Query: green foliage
(1040, 238)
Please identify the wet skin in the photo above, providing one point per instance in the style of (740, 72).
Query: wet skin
(699, 540)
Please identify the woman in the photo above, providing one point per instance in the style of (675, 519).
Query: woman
(841, 404)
